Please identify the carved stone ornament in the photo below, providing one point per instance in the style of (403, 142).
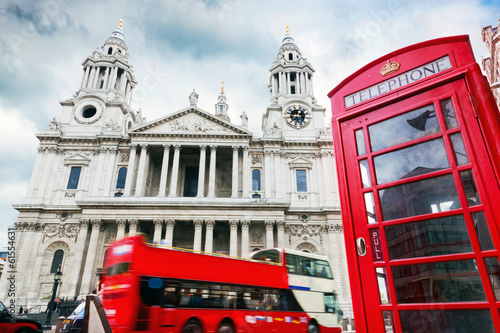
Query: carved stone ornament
(61, 230)
(335, 227)
(256, 158)
(194, 123)
(256, 236)
(304, 230)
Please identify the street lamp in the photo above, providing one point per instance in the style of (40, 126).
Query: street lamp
(57, 278)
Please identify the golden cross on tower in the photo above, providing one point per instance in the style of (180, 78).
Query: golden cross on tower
(287, 30)
(120, 25)
(222, 86)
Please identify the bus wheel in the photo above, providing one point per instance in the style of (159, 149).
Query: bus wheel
(192, 326)
(312, 328)
(225, 328)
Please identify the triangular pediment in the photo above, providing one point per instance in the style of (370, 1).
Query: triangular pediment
(300, 162)
(76, 159)
(191, 121)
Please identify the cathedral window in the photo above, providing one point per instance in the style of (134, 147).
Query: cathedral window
(57, 261)
(122, 175)
(110, 50)
(74, 177)
(301, 180)
(290, 56)
(292, 90)
(256, 180)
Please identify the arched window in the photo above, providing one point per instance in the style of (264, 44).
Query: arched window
(256, 180)
(122, 175)
(57, 261)
(290, 56)
(110, 50)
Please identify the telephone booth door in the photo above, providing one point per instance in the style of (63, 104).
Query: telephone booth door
(422, 200)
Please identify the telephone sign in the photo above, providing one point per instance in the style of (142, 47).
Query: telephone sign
(416, 135)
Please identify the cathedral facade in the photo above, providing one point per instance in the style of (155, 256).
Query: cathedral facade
(192, 179)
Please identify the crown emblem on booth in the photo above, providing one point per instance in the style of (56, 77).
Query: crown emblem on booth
(389, 68)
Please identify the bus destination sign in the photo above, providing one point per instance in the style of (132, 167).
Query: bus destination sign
(399, 81)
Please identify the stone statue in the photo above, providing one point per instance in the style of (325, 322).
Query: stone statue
(54, 124)
(244, 119)
(193, 98)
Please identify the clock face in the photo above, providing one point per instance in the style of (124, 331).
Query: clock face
(297, 116)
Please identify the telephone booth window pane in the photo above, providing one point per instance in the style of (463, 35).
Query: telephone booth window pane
(403, 128)
(371, 214)
(445, 321)
(470, 188)
(449, 114)
(459, 149)
(483, 232)
(415, 160)
(388, 322)
(365, 173)
(383, 287)
(447, 235)
(439, 282)
(360, 142)
(493, 267)
(433, 195)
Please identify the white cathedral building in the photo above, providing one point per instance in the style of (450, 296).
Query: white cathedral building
(192, 178)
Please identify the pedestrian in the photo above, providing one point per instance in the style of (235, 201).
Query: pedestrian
(21, 310)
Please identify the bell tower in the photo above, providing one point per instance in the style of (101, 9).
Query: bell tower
(103, 101)
(293, 105)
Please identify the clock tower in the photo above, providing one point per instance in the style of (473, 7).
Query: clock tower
(294, 113)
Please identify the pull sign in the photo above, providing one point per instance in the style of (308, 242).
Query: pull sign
(376, 245)
(361, 244)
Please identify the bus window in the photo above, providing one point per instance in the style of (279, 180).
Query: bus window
(151, 291)
(119, 268)
(308, 266)
(268, 256)
(330, 302)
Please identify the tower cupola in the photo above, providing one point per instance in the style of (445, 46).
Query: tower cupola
(221, 108)
(107, 72)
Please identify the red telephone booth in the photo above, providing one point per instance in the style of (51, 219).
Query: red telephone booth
(417, 137)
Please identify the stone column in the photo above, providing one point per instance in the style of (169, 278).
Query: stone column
(245, 236)
(111, 83)
(277, 175)
(211, 179)
(141, 172)
(169, 234)
(24, 253)
(132, 227)
(198, 225)
(88, 271)
(233, 238)
(269, 234)
(288, 88)
(164, 171)
(298, 82)
(96, 77)
(77, 260)
(335, 252)
(175, 172)
(247, 178)
(106, 78)
(267, 174)
(130, 171)
(101, 153)
(158, 228)
(209, 235)
(328, 198)
(234, 188)
(120, 224)
(307, 83)
(85, 77)
(110, 171)
(280, 224)
(201, 171)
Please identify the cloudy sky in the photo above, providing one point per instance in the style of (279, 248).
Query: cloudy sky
(176, 46)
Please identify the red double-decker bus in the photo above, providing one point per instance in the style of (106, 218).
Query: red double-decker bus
(154, 288)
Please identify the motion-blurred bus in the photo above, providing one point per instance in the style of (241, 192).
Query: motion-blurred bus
(154, 288)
